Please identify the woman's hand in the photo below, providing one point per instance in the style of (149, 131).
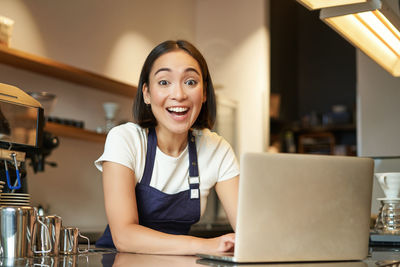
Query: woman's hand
(224, 243)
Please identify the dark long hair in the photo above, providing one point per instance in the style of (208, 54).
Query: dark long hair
(142, 113)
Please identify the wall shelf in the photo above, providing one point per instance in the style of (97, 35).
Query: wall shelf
(74, 132)
(51, 68)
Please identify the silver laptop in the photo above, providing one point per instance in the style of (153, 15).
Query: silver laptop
(302, 208)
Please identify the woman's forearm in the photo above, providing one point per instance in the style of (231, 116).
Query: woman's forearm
(139, 239)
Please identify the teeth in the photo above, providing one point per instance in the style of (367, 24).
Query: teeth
(177, 109)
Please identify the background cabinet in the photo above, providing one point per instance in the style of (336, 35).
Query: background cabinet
(316, 143)
(334, 140)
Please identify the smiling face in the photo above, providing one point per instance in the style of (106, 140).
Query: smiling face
(175, 91)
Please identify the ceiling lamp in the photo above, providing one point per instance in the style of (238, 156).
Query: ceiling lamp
(317, 4)
(372, 26)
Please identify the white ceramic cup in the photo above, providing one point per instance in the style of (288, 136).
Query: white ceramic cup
(390, 183)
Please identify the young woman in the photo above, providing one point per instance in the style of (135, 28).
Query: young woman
(157, 172)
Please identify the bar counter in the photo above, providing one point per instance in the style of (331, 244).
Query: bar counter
(378, 256)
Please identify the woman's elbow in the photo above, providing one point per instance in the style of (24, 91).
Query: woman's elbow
(121, 239)
(124, 238)
(121, 243)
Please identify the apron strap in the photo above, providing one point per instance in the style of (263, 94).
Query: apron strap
(194, 179)
(150, 157)
(193, 168)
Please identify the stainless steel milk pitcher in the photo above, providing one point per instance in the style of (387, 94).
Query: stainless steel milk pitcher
(53, 223)
(18, 226)
(69, 241)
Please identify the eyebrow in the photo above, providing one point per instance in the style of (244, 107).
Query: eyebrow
(162, 69)
(192, 69)
(169, 70)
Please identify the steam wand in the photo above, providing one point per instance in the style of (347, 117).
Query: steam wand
(17, 184)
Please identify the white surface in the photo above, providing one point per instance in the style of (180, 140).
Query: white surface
(378, 109)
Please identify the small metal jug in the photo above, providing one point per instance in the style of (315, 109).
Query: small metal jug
(18, 225)
(53, 224)
(69, 241)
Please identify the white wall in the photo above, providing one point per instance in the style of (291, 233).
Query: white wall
(378, 123)
(234, 37)
(378, 110)
(113, 38)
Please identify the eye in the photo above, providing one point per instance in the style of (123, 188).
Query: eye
(191, 82)
(163, 82)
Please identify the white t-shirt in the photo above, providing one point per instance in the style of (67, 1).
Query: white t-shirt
(127, 145)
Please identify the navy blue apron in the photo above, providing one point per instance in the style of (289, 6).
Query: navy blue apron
(168, 213)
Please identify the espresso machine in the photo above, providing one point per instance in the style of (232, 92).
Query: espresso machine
(21, 135)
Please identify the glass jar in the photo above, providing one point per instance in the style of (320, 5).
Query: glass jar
(390, 216)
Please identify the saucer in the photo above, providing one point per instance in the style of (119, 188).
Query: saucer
(388, 198)
(15, 194)
(14, 204)
(12, 197)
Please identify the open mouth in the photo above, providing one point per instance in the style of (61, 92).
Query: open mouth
(179, 111)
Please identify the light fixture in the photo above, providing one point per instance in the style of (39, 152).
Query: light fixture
(373, 27)
(318, 4)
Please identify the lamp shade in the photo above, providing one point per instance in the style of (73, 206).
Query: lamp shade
(373, 27)
(318, 4)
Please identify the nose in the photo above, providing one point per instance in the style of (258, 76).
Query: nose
(178, 93)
